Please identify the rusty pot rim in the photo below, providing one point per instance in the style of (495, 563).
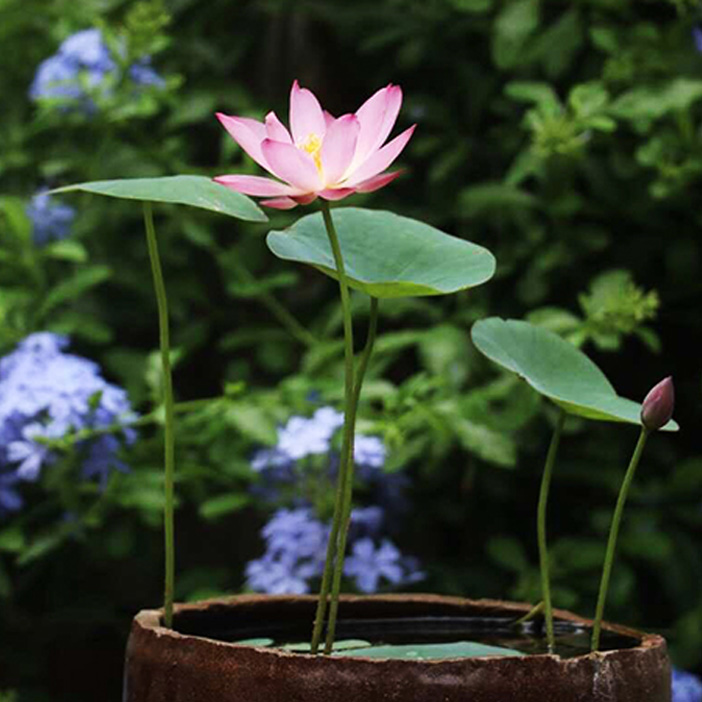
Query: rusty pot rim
(150, 619)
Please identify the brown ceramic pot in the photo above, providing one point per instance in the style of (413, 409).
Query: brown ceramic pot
(166, 666)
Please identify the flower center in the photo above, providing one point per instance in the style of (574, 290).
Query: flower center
(313, 146)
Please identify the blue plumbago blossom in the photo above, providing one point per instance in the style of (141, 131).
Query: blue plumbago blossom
(46, 394)
(143, 73)
(296, 543)
(304, 457)
(295, 548)
(697, 36)
(369, 451)
(686, 687)
(10, 499)
(303, 437)
(80, 66)
(51, 220)
(370, 564)
(368, 520)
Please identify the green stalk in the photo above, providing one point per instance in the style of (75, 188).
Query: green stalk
(291, 324)
(613, 535)
(348, 482)
(347, 441)
(541, 530)
(281, 313)
(169, 435)
(67, 443)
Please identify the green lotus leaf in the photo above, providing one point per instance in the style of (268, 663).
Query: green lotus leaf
(432, 652)
(260, 642)
(386, 255)
(193, 190)
(342, 645)
(556, 369)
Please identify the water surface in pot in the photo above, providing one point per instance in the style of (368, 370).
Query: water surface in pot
(529, 638)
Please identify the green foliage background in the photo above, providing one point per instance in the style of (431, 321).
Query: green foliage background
(564, 136)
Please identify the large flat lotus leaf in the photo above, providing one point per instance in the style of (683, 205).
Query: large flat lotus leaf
(432, 652)
(196, 191)
(386, 255)
(555, 368)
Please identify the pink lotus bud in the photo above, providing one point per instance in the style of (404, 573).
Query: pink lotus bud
(657, 408)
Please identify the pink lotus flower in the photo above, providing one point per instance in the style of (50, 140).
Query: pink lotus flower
(324, 156)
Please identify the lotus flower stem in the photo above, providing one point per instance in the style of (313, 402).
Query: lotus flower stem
(348, 435)
(169, 440)
(613, 535)
(541, 529)
(348, 482)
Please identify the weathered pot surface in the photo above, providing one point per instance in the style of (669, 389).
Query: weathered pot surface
(166, 666)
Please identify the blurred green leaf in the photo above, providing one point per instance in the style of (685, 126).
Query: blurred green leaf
(493, 199)
(508, 553)
(486, 443)
(650, 103)
(513, 27)
(252, 421)
(222, 505)
(74, 286)
(12, 539)
(66, 250)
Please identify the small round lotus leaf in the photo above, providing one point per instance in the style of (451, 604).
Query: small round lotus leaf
(386, 255)
(556, 369)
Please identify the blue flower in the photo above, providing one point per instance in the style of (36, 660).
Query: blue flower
(295, 549)
(80, 67)
(296, 544)
(697, 36)
(686, 687)
(10, 500)
(143, 73)
(88, 49)
(370, 565)
(30, 452)
(296, 540)
(102, 454)
(302, 437)
(50, 220)
(274, 578)
(367, 520)
(82, 57)
(369, 451)
(294, 534)
(56, 78)
(47, 394)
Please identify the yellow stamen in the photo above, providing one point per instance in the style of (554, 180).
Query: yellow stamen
(313, 146)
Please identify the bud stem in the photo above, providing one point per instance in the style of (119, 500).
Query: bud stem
(613, 535)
